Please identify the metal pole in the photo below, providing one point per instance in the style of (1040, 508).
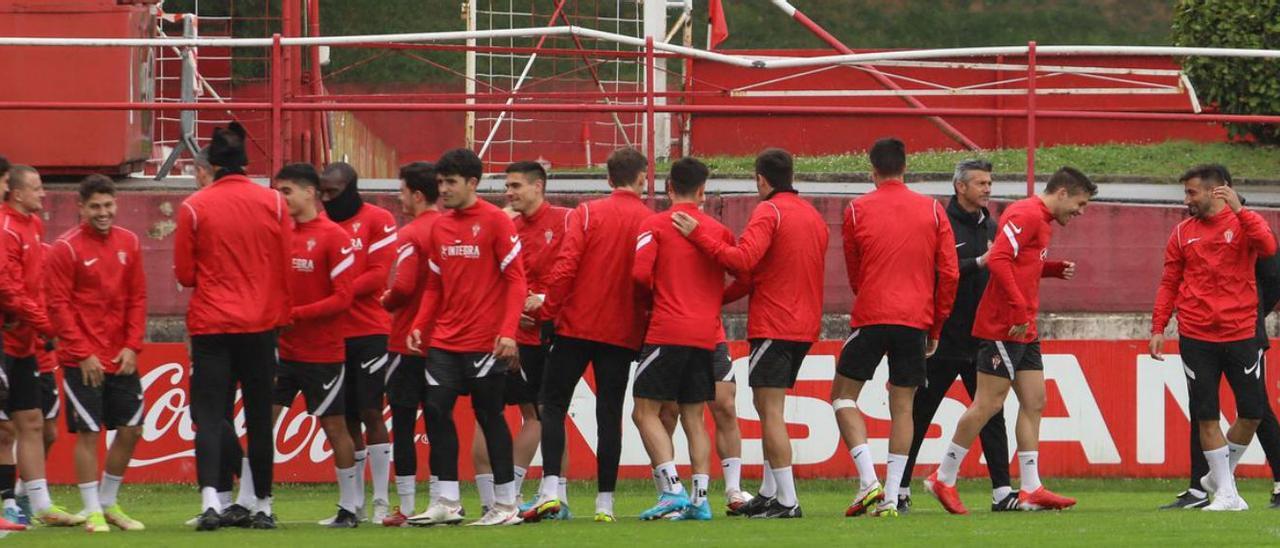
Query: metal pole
(187, 119)
(649, 116)
(1031, 118)
(277, 102)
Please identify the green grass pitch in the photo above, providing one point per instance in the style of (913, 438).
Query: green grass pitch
(1111, 512)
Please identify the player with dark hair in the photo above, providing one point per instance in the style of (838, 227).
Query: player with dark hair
(406, 379)
(312, 348)
(540, 226)
(1210, 281)
(782, 250)
(468, 319)
(97, 295)
(900, 254)
(367, 326)
(592, 301)
(974, 230)
(1009, 354)
(232, 245)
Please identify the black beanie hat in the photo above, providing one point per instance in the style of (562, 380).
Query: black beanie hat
(226, 147)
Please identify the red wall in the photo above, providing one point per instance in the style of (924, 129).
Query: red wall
(715, 134)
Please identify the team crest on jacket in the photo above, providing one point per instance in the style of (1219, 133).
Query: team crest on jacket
(1228, 235)
(549, 235)
(124, 257)
(355, 227)
(311, 244)
(475, 230)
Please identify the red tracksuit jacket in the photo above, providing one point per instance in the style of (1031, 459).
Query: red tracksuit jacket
(321, 275)
(23, 281)
(373, 234)
(97, 295)
(541, 235)
(900, 255)
(1016, 261)
(687, 285)
(590, 292)
(232, 244)
(405, 294)
(1209, 276)
(783, 252)
(476, 287)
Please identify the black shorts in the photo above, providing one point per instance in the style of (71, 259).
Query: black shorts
(321, 385)
(366, 373)
(524, 385)
(23, 375)
(867, 345)
(49, 402)
(997, 357)
(721, 364)
(1205, 363)
(775, 363)
(406, 380)
(674, 373)
(116, 403)
(455, 370)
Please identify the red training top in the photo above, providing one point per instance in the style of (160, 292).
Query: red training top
(1017, 261)
(373, 235)
(97, 295)
(687, 285)
(321, 273)
(541, 235)
(405, 295)
(22, 234)
(232, 245)
(784, 251)
(1209, 276)
(590, 293)
(900, 255)
(476, 289)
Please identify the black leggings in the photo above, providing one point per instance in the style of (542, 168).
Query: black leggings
(487, 402)
(403, 424)
(565, 366)
(217, 363)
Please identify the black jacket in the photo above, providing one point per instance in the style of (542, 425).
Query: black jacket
(1268, 272)
(973, 231)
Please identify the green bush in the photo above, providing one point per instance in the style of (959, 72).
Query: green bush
(1235, 86)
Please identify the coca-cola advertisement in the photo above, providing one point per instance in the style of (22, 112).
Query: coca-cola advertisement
(1112, 411)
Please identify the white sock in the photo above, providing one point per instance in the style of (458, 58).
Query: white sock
(786, 486)
(1275, 488)
(1197, 493)
(10, 503)
(550, 487)
(700, 484)
(209, 500)
(406, 488)
(866, 466)
(347, 488)
(264, 506)
(362, 459)
(657, 481)
(1234, 452)
(433, 489)
(484, 484)
(999, 493)
(450, 491)
(38, 492)
(768, 486)
(18, 489)
(950, 467)
(224, 498)
(247, 497)
(109, 488)
(380, 469)
(519, 472)
(562, 489)
(1220, 466)
(1029, 469)
(893, 471)
(670, 478)
(505, 493)
(89, 494)
(732, 474)
(904, 491)
(604, 502)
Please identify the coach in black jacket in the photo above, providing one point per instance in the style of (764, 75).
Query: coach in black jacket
(974, 229)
